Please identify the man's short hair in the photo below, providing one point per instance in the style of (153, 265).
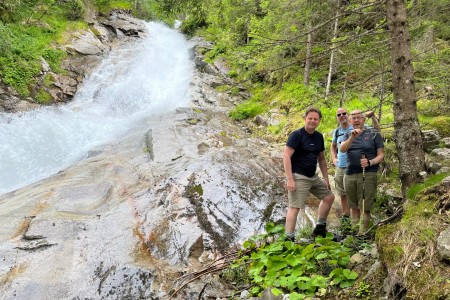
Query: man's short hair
(313, 109)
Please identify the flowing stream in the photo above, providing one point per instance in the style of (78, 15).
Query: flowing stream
(149, 76)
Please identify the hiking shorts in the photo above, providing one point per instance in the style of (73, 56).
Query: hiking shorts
(339, 181)
(305, 185)
(357, 191)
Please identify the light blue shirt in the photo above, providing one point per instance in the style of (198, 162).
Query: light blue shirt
(341, 157)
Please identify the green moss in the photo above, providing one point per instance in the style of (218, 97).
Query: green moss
(194, 190)
(440, 123)
(193, 121)
(276, 129)
(43, 97)
(390, 250)
(105, 6)
(246, 110)
(48, 80)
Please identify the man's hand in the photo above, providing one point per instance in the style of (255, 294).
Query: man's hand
(356, 132)
(369, 114)
(327, 184)
(335, 160)
(364, 162)
(290, 184)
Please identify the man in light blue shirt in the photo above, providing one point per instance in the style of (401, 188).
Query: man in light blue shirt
(340, 159)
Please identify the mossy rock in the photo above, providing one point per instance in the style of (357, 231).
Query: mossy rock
(407, 249)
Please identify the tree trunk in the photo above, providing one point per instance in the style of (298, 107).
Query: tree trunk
(308, 58)
(333, 51)
(406, 124)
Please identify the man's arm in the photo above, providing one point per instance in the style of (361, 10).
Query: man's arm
(348, 142)
(323, 168)
(288, 151)
(375, 123)
(374, 161)
(334, 151)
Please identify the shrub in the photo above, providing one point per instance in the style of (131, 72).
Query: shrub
(74, 9)
(246, 110)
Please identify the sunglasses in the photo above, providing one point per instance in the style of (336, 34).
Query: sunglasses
(341, 114)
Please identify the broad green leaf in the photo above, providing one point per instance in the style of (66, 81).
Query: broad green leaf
(276, 262)
(296, 296)
(321, 256)
(256, 268)
(297, 272)
(345, 284)
(336, 272)
(293, 260)
(255, 290)
(269, 227)
(276, 292)
(353, 275)
(249, 244)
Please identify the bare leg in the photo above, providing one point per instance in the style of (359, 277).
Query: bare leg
(366, 219)
(344, 205)
(291, 219)
(325, 206)
(356, 214)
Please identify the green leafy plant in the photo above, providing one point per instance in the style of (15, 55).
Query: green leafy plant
(363, 290)
(299, 270)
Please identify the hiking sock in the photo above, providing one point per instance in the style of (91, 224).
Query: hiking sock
(321, 221)
(290, 236)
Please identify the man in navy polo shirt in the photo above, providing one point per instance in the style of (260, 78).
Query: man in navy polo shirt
(365, 151)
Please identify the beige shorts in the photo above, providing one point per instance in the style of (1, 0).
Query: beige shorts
(339, 181)
(305, 185)
(354, 188)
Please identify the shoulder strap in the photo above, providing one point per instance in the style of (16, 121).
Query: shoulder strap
(336, 134)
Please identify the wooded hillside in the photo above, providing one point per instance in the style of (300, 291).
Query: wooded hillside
(388, 56)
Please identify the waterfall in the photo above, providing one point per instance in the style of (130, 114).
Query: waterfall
(146, 77)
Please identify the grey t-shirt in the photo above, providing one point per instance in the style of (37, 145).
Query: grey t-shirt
(368, 143)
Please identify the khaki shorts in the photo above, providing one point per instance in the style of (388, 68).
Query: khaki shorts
(353, 185)
(305, 185)
(339, 181)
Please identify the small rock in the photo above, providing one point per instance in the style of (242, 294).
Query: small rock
(443, 170)
(374, 252)
(373, 269)
(446, 142)
(245, 294)
(443, 244)
(356, 259)
(434, 167)
(267, 295)
(441, 153)
(423, 174)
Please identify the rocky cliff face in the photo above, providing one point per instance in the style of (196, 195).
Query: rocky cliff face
(85, 51)
(133, 216)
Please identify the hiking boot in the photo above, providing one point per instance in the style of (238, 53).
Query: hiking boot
(320, 230)
(290, 238)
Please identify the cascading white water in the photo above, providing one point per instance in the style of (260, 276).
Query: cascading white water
(147, 77)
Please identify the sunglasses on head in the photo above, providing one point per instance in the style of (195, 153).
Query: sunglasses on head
(341, 114)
